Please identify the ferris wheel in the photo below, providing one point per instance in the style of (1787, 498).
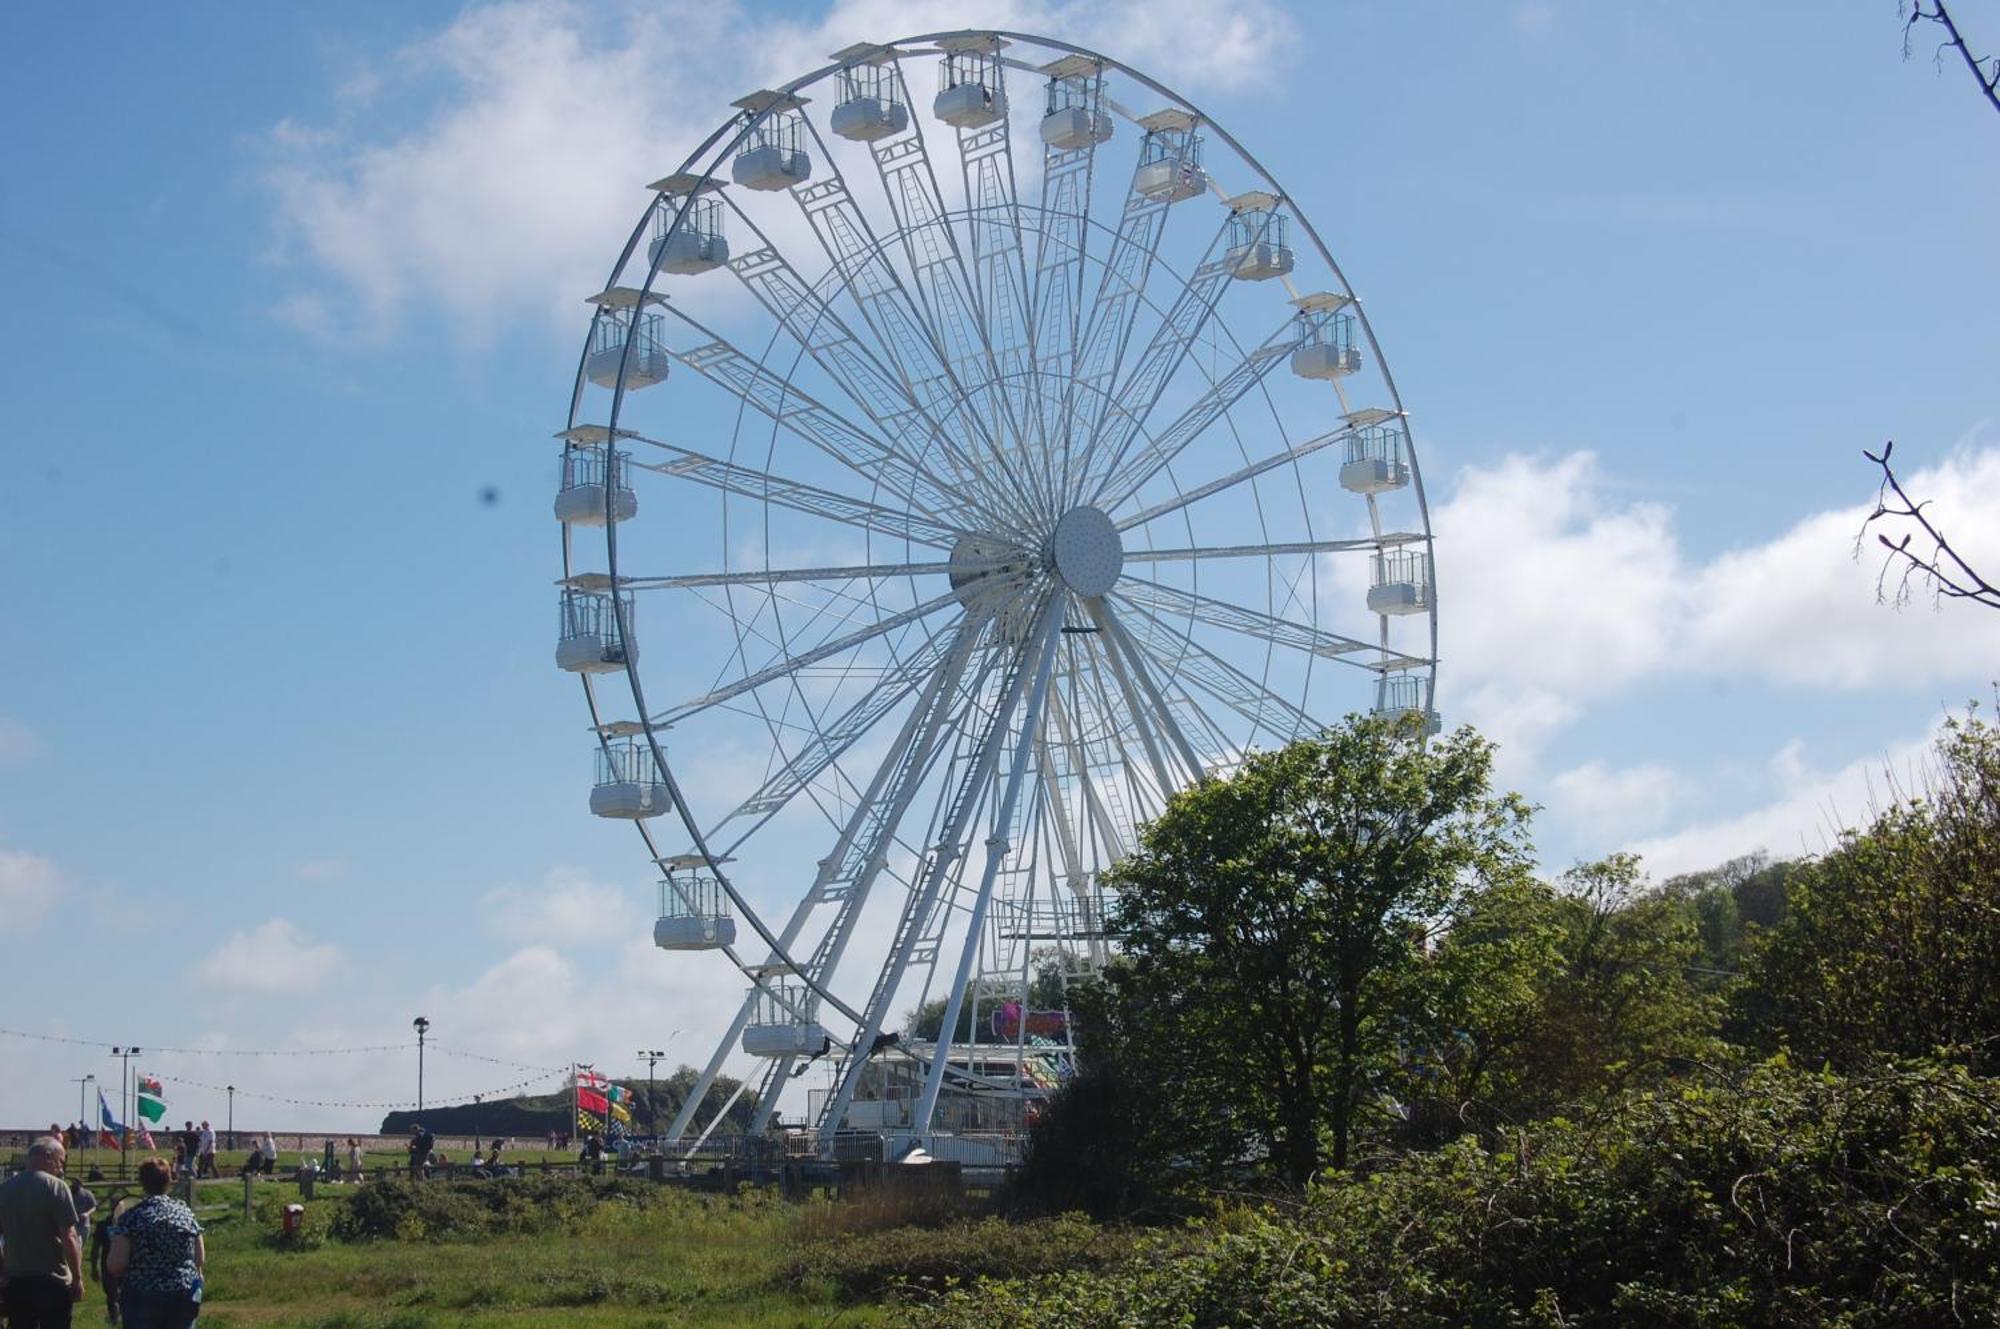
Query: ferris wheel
(983, 447)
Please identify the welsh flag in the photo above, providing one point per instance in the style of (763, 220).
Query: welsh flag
(152, 1100)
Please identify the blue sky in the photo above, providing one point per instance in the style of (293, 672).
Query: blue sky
(283, 761)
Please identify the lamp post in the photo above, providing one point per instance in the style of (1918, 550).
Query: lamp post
(232, 1115)
(477, 1099)
(124, 1055)
(652, 1056)
(422, 1026)
(82, 1111)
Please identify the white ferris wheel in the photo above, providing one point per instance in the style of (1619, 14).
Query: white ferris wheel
(1046, 463)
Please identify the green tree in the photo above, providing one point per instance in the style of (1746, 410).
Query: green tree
(1265, 916)
(1542, 995)
(1891, 942)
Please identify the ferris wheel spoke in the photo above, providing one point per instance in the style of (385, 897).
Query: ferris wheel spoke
(1235, 689)
(945, 287)
(1127, 266)
(776, 576)
(869, 456)
(1368, 544)
(1223, 393)
(1000, 288)
(768, 486)
(1118, 642)
(903, 327)
(1095, 812)
(782, 668)
(1144, 594)
(1236, 477)
(882, 397)
(1140, 391)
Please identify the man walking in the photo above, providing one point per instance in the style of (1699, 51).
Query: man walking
(43, 1258)
(421, 1144)
(205, 1167)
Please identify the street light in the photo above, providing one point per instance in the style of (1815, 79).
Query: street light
(232, 1114)
(82, 1112)
(422, 1026)
(125, 1055)
(652, 1056)
(477, 1099)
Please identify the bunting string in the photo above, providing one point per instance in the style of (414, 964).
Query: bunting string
(152, 1048)
(352, 1103)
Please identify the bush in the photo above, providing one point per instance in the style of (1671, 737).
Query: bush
(441, 1210)
(1767, 1197)
(863, 1266)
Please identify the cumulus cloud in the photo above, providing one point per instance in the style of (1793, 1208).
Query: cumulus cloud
(568, 907)
(274, 956)
(29, 884)
(1806, 816)
(1556, 593)
(536, 125)
(1617, 802)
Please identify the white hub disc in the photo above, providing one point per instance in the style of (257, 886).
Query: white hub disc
(1087, 552)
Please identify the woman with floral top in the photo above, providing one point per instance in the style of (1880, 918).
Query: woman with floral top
(156, 1249)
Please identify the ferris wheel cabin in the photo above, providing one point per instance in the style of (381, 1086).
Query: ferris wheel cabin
(773, 156)
(971, 92)
(1255, 249)
(589, 640)
(621, 322)
(1376, 461)
(1327, 350)
(628, 787)
(1399, 695)
(1399, 582)
(694, 910)
(1170, 158)
(784, 1022)
(871, 95)
(687, 227)
(594, 488)
(1074, 116)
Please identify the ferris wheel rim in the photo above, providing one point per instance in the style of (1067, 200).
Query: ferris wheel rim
(743, 127)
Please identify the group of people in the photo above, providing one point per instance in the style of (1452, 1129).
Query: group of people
(425, 1155)
(146, 1255)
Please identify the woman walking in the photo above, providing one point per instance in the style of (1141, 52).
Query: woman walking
(157, 1252)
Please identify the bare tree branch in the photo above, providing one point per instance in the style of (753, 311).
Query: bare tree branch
(1934, 563)
(1985, 70)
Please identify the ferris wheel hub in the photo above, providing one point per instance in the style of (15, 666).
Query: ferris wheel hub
(1087, 552)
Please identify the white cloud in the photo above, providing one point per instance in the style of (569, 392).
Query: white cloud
(322, 869)
(1616, 802)
(1554, 594)
(274, 956)
(538, 124)
(19, 744)
(1805, 818)
(29, 884)
(568, 907)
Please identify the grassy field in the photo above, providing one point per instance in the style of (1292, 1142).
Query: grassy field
(660, 1258)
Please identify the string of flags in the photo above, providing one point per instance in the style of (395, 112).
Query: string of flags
(494, 1092)
(437, 1049)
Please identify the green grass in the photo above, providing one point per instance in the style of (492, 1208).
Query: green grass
(671, 1258)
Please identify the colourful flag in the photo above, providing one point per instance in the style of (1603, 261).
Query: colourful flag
(152, 1101)
(620, 1112)
(109, 1131)
(589, 1100)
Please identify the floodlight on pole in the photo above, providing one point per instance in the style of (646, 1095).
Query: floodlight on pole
(422, 1026)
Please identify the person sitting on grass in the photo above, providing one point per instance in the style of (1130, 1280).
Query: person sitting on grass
(157, 1252)
(252, 1164)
